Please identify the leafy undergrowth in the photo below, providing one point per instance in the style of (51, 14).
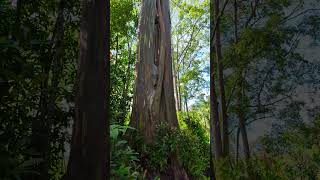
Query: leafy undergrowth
(295, 154)
(124, 160)
(190, 145)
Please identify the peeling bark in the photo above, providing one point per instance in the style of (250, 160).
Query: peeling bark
(154, 92)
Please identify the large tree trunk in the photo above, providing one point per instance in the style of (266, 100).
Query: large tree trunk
(215, 133)
(224, 119)
(154, 95)
(89, 156)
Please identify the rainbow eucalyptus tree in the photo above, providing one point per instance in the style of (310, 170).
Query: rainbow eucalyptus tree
(154, 101)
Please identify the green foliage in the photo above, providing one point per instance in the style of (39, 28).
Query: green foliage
(271, 167)
(14, 166)
(169, 141)
(265, 50)
(195, 121)
(189, 46)
(124, 21)
(297, 149)
(193, 154)
(292, 154)
(26, 57)
(124, 160)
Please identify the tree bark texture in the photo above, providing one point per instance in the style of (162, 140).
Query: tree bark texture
(89, 156)
(154, 100)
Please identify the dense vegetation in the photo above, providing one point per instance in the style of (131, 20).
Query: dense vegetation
(198, 90)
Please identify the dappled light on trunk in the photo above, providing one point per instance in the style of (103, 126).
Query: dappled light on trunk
(153, 101)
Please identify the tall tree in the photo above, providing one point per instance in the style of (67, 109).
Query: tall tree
(215, 133)
(218, 52)
(153, 101)
(240, 94)
(89, 156)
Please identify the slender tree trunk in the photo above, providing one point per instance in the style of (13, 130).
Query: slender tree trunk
(187, 108)
(175, 86)
(57, 63)
(224, 119)
(235, 6)
(179, 91)
(245, 141)
(237, 144)
(89, 156)
(175, 82)
(241, 118)
(179, 95)
(42, 125)
(117, 48)
(240, 94)
(186, 104)
(154, 95)
(215, 134)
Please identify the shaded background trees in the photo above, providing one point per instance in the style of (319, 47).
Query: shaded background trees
(38, 46)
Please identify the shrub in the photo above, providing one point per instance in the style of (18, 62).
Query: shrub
(191, 151)
(124, 160)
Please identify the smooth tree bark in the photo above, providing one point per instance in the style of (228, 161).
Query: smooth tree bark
(215, 133)
(89, 156)
(154, 101)
(175, 86)
(176, 79)
(218, 52)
